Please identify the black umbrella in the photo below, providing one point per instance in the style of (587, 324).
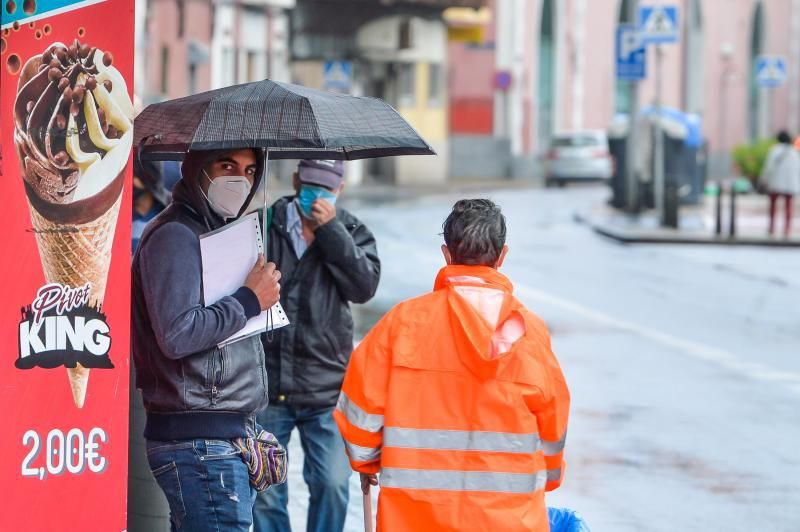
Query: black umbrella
(289, 121)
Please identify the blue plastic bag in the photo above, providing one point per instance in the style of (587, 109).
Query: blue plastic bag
(565, 520)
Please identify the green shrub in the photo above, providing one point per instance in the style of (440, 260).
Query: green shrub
(749, 158)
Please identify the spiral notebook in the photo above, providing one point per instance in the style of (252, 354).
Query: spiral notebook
(228, 254)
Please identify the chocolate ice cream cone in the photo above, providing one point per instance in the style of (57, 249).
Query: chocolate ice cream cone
(73, 136)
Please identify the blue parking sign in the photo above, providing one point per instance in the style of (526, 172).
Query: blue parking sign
(659, 24)
(630, 54)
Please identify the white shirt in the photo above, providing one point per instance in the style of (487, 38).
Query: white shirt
(294, 225)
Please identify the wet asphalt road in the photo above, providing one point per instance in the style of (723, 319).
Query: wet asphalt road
(683, 362)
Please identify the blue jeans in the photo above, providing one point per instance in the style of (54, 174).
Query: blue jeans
(206, 484)
(326, 470)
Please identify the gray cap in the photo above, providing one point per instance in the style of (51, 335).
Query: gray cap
(321, 172)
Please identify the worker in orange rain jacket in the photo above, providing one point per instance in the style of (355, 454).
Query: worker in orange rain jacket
(455, 397)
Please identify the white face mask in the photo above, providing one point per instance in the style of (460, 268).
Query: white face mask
(227, 194)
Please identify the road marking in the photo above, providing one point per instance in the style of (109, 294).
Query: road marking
(720, 357)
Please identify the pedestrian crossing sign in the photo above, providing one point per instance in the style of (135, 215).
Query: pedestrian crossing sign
(659, 24)
(338, 76)
(770, 71)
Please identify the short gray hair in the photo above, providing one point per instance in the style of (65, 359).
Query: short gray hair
(475, 232)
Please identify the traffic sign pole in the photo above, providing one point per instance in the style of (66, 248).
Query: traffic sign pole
(632, 180)
(658, 145)
(659, 25)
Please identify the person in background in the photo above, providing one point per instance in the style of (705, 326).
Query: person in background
(781, 175)
(328, 259)
(150, 197)
(455, 398)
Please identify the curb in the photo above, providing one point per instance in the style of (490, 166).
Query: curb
(646, 237)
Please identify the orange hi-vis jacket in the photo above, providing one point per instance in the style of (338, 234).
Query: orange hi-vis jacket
(456, 400)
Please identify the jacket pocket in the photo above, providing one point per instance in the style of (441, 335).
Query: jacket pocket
(218, 450)
(334, 345)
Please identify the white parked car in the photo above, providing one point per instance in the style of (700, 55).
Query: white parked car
(578, 156)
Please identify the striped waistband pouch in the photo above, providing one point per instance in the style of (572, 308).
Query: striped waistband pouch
(266, 460)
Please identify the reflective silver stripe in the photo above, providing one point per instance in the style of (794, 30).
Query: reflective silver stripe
(460, 440)
(553, 475)
(358, 453)
(424, 479)
(357, 417)
(552, 448)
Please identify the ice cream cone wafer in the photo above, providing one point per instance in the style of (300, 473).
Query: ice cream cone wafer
(78, 381)
(76, 254)
(73, 255)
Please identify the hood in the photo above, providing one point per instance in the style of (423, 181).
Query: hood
(484, 316)
(187, 191)
(149, 174)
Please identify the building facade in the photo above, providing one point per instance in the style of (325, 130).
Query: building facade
(190, 46)
(548, 65)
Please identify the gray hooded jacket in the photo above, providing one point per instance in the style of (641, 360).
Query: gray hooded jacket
(191, 388)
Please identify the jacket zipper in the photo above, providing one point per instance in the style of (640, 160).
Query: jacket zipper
(214, 379)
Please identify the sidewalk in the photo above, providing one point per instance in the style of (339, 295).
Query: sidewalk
(378, 192)
(696, 224)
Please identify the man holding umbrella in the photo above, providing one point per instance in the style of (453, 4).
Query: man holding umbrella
(328, 259)
(200, 397)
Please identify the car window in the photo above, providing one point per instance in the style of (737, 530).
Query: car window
(576, 141)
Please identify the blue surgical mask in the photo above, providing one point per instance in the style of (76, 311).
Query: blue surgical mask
(309, 194)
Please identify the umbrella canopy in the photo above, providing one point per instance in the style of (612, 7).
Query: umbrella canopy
(291, 121)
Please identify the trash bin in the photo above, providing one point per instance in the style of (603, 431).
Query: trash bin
(684, 154)
(617, 139)
(619, 189)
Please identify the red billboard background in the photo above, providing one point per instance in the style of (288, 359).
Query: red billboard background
(39, 413)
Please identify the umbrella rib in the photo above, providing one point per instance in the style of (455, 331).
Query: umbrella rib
(225, 126)
(264, 108)
(247, 101)
(306, 104)
(280, 117)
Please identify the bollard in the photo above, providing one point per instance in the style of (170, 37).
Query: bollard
(732, 232)
(718, 225)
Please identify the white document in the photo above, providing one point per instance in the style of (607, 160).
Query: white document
(228, 254)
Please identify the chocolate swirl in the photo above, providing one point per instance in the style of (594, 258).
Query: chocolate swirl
(61, 118)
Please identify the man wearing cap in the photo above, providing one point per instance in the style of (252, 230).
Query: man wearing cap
(327, 259)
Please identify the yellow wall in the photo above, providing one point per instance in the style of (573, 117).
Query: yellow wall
(430, 122)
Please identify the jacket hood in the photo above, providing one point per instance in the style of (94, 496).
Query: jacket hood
(484, 316)
(187, 191)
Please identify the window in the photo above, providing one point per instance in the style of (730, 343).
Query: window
(435, 85)
(228, 66)
(164, 69)
(407, 84)
(181, 16)
(578, 140)
(192, 78)
(404, 38)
